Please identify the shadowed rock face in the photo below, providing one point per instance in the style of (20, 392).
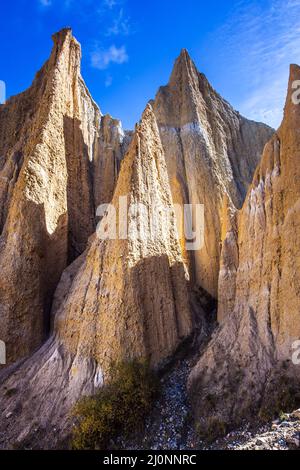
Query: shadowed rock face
(127, 297)
(248, 364)
(50, 150)
(211, 152)
(112, 146)
(132, 291)
(121, 299)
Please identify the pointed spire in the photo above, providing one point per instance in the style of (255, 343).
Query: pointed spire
(292, 104)
(65, 44)
(295, 72)
(183, 68)
(63, 37)
(148, 114)
(60, 37)
(184, 53)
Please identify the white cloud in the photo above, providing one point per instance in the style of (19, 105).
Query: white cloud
(108, 81)
(120, 26)
(101, 59)
(276, 45)
(258, 43)
(2, 92)
(46, 3)
(110, 3)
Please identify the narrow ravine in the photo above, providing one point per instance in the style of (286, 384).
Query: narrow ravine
(169, 426)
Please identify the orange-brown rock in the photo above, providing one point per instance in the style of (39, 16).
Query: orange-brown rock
(47, 134)
(50, 169)
(123, 298)
(112, 145)
(229, 260)
(132, 291)
(248, 366)
(211, 151)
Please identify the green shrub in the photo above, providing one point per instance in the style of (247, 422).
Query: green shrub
(11, 392)
(212, 429)
(282, 396)
(118, 408)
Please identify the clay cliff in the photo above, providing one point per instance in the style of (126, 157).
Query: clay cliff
(51, 152)
(247, 369)
(211, 153)
(123, 298)
(76, 296)
(112, 145)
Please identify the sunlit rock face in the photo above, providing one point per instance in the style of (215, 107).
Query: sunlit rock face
(122, 299)
(211, 152)
(248, 367)
(73, 301)
(132, 291)
(51, 156)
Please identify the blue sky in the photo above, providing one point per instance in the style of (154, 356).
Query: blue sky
(129, 47)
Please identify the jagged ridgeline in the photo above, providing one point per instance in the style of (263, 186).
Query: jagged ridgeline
(59, 159)
(71, 303)
(248, 369)
(211, 153)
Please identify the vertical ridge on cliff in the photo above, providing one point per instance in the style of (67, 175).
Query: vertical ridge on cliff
(211, 151)
(76, 297)
(138, 262)
(248, 366)
(112, 145)
(123, 298)
(50, 151)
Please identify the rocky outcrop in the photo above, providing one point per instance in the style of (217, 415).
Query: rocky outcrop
(123, 298)
(41, 145)
(211, 151)
(281, 434)
(247, 368)
(121, 291)
(116, 285)
(51, 164)
(229, 260)
(112, 144)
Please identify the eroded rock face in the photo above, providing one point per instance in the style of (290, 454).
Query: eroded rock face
(133, 291)
(50, 170)
(112, 146)
(248, 366)
(47, 206)
(124, 298)
(211, 151)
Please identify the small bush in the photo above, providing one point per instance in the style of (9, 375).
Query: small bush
(211, 400)
(118, 408)
(212, 429)
(282, 396)
(11, 392)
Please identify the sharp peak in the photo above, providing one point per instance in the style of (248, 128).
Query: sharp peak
(294, 72)
(183, 64)
(294, 78)
(147, 116)
(292, 106)
(62, 36)
(184, 53)
(184, 58)
(148, 113)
